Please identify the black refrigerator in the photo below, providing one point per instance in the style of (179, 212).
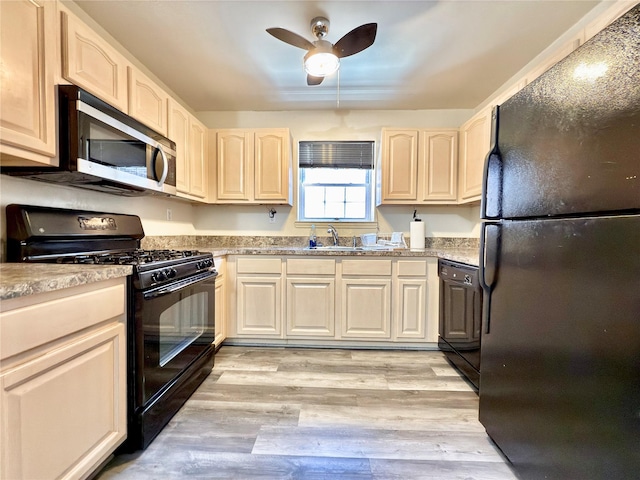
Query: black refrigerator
(560, 266)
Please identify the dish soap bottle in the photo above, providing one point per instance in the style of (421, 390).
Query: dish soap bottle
(312, 237)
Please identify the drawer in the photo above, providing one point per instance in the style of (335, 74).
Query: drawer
(44, 321)
(259, 265)
(412, 268)
(366, 267)
(308, 266)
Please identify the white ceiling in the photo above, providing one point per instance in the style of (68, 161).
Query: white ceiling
(216, 55)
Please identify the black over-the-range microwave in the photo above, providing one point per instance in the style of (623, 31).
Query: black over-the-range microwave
(101, 148)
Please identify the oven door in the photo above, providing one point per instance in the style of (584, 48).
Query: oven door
(174, 326)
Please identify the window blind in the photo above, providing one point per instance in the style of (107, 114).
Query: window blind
(342, 154)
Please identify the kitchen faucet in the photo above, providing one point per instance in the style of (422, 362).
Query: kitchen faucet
(334, 234)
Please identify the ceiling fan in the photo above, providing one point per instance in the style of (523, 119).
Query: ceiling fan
(322, 57)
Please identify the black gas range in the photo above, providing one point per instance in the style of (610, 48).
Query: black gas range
(170, 320)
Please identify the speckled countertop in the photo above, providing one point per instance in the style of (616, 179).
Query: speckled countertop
(469, 256)
(21, 279)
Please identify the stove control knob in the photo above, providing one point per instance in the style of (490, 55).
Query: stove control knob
(159, 276)
(171, 273)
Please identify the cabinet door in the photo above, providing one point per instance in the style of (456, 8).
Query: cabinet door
(27, 105)
(179, 133)
(198, 158)
(91, 63)
(233, 171)
(474, 147)
(259, 309)
(271, 166)
(410, 312)
(311, 307)
(366, 308)
(147, 101)
(399, 166)
(439, 161)
(64, 412)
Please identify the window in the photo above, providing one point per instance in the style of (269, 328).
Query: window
(336, 181)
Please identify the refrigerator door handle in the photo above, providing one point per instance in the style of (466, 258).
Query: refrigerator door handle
(489, 250)
(490, 205)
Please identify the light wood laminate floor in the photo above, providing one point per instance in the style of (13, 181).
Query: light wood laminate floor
(294, 413)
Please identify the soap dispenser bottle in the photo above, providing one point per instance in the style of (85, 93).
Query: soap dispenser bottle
(312, 237)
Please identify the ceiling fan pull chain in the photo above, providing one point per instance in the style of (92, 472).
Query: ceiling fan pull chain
(338, 93)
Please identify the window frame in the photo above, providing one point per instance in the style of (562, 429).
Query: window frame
(369, 199)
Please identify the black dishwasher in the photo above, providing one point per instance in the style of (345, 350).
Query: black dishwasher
(460, 317)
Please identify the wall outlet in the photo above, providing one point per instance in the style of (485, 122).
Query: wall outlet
(169, 215)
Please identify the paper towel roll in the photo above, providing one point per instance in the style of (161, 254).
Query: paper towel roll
(417, 233)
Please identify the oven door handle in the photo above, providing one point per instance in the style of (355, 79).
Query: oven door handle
(172, 288)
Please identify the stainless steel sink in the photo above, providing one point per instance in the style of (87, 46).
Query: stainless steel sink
(334, 248)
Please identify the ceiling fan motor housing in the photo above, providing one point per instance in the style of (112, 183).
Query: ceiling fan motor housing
(320, 27)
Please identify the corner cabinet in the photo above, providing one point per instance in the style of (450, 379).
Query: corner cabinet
(252, 166)
(27, 94)
(62, 381)
(190, 137)
(418, 167)
(475, 137)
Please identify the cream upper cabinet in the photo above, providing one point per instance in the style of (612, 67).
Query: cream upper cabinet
(272, 166)
(252, 166)
(179, 133)
(474, 146)
(62, 381)
(148, 103)
(234, 165)
(27, 91)
(438, 166)
(93, 64)
(399, 166)
(419, 166)
(190, 136)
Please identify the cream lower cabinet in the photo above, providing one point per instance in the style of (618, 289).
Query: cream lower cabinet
(62, 381)
(410, 299)
(366, 299)
(259, 296)
(220, 302)
(27, 91)
(370, 300)
(311, 294)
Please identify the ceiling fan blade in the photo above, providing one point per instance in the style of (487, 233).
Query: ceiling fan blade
(311, 80)
(356, 40)
(291, 38)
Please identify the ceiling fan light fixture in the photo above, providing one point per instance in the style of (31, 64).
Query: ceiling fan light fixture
(321, 64)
